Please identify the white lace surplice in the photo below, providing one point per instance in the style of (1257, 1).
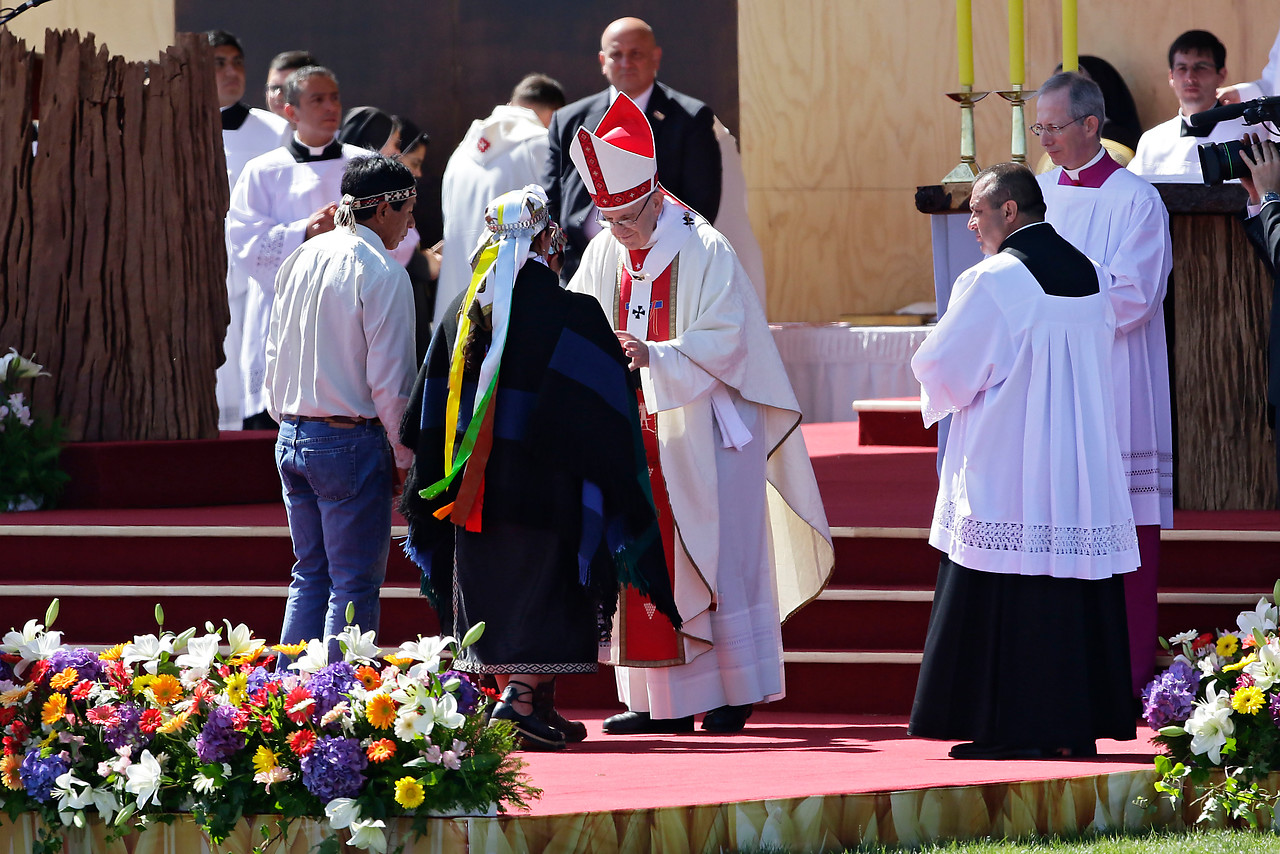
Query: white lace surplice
(1032, 480)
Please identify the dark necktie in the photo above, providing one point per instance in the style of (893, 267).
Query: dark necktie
(1188, 130)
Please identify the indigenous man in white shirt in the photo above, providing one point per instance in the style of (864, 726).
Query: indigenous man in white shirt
(1033, 512)
(498, 154)
(246, 133)
(340, 367)
(1120, 221)
(744, 530)
(284, 197)
(1168, 152)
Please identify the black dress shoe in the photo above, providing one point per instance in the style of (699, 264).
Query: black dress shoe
(639, 723)
(532, 733)
(993, 750)
(726, 719)
(544, 706)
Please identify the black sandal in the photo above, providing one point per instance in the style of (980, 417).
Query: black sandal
(532, 732)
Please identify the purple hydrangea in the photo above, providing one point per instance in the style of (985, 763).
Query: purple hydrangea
(38, 775)
(1275, 709)
(332, 768)
(330, 685)
(1167, 699)
(126, 732)
(467, 694)
(6, 671)
(259, 678)
(84, 661)
(219, 739)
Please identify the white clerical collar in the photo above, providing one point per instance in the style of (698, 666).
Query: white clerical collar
(1074, 174)
(313, 150)
(642, 100)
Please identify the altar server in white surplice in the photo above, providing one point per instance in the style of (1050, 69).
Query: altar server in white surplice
(283, 198)
(744, 530)
(1169, 152)
(500, 153)
(1033, 514)
(1120, 221)
(246, 133)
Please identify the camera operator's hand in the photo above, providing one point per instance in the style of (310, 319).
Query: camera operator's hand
(1263, 159)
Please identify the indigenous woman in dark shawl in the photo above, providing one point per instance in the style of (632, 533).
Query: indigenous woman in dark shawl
(528, 501)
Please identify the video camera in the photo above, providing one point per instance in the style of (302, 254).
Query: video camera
(1221, 161)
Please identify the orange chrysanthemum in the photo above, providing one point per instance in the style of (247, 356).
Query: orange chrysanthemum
(54, 708)
(174, 723)
(165, 690)
(64, 680)
(381, 711)
(370, 678)
(9, 766)
(114, 653)
(398, 660)
(250, 655)
(381, 750)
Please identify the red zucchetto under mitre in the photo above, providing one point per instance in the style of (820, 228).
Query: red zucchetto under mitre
(617, 162)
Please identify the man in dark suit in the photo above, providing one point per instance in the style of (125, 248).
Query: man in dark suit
(1263, 184)
(687, 152)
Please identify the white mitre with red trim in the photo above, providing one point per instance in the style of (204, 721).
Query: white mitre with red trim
(617, 162)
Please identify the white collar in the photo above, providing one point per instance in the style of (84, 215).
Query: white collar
(641, 100)
(315, 152)
(1074, 174)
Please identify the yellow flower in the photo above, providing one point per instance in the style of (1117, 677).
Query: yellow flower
(249, 654)
(264, 759)
(13, 695)
(409, 793)
(54, 708)
(398, 660)
(1243, 663)
(9, 766)
(1248, 700)
(174, 723)
(237, 687)
(1227, 645)
(64, 680)
(141, 683)
(114, 653)
(293, 650)
(380, 711)
(166, 690)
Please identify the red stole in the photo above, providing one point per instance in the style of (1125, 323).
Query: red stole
(646, 638)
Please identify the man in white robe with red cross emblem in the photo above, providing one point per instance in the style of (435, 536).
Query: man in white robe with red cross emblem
(1120, 221)
(743, 526)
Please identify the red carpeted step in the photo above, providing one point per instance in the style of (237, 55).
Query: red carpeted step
(235, 468)
(894, 421)
(871, 622)
(871, 561)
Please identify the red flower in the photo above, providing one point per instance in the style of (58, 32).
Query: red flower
(267, 726)
(203, 693)
(11, 745)
(7, 714)
(302, 741)
(259, 698)
(273, 687)
(299, 705)
(150, 721)
(1202, 641)
(118, 676)
(381, 750)
(20, 731)
(82, 690)
(1244, 681)
(38, 671)
(103, 716)
(240, 719)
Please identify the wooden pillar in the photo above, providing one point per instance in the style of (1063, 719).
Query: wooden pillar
(114, 261)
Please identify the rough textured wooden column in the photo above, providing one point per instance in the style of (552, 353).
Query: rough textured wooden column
(113, 258)
(1221, 296)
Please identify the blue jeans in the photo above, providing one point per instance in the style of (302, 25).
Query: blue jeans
(337, 491)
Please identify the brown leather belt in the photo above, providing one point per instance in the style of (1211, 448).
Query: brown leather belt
(333, 420)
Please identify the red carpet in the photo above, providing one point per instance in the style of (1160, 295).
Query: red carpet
(780, 755)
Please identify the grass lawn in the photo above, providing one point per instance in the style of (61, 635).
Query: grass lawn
(1155, 842)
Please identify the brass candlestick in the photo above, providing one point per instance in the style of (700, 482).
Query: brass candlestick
(967, 170)
(1017, 98)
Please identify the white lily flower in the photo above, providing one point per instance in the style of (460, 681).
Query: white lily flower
(314, 657)
(427, 652)
(341, 812)
(147, 649)
(144, 777)
(106, 802)
(72, 795)
(199, 657)
(357, 646)
(369, 835)
(1265, 670)
(241, 640)
(445, 712)
(1263, 618)
(25, 369)
(1210, 726)
(33, 643)
(411, 724)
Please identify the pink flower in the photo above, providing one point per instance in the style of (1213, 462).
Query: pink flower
(103, 716)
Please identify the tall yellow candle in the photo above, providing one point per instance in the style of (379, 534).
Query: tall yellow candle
(964, 40)
(1070, 35)
(1017, 57)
